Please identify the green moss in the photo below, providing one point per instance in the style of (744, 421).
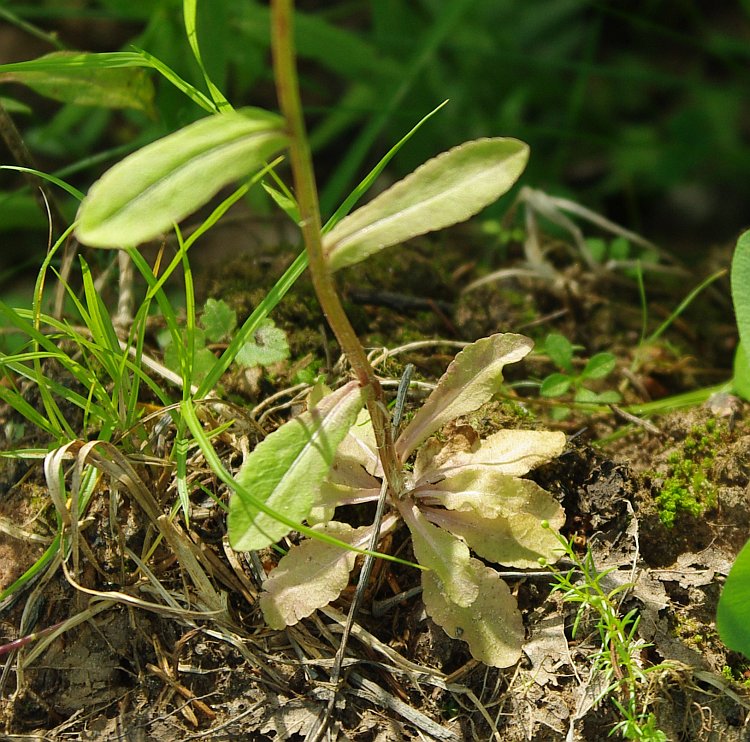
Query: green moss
(687, 487)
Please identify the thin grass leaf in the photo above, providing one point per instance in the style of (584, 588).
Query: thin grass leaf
(195, 95)
(46, 176)
(189, 10)
(253, 322)
(34, 570)
(366, 183)
(446, 190)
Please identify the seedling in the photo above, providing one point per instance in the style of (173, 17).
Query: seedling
(561, 384)
(617, 664)
(266, 346)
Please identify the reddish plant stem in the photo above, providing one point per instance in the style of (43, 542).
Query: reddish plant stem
(285, 73)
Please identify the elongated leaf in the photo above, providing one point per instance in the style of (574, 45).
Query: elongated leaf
(285, 470)
(142, 196)
(512, 453)
(733, 616)
(515, 541)
(444, 554)
(491, 625)
(88, 86)
(311, 575)
(487, 494)
(471, 379)
(446, 190)
(740, 280)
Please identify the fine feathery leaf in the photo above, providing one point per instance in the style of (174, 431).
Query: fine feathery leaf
(160, 184)
(472, 378)
(442, 553)
(311, 575)
(491, 625)
(285, 470)
(446, 190)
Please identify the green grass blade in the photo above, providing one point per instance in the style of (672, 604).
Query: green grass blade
(45, 176)
(189, 9)
(195, 95)
(370, 178)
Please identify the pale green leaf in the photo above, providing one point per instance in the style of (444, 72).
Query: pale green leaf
(267, 346)
(473, 378)
(491, 625)
(124, 87)
(311, 575)
(740, 286)
(487, 493)
(360, 447)
(285, 470)
(509, 452)
(145, 194)
(515, 541)
(446, 190)
(444, 554)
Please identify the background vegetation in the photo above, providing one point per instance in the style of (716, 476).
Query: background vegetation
(638, 109)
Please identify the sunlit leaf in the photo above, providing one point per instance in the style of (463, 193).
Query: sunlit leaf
(446, 190)
(444, 554)
(473, 378)
(286, 468)
(515, 541)
(509, 452)
(122, 87)
(267, 346)
(491, 625)
(359, 446)
(311, 575)
(160, 184)
(487, 493)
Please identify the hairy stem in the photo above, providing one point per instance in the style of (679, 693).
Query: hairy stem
(287, 88)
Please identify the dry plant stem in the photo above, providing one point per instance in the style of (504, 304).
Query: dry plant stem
(285, 74)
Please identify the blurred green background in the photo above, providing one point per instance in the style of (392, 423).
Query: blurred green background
(637, 108)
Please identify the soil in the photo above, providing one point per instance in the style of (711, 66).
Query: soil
(142, 660)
